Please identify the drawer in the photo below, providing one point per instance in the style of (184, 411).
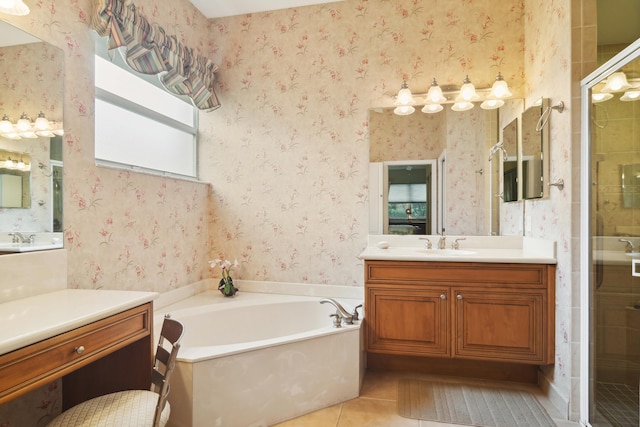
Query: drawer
(459, 273)
(34, 365)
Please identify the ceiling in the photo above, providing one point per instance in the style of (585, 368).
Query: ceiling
(220, 8)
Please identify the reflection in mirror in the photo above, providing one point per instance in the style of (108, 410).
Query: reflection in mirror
(533, 151)
(510, 162)
(465, 137)
(33, 83)
(15, 179)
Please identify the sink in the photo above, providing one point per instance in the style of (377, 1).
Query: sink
(446, 252)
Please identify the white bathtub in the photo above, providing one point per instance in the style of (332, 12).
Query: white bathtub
(258, 359)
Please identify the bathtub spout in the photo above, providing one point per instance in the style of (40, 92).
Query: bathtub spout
(343, 314)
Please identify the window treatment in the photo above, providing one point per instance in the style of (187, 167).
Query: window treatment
(149, 50)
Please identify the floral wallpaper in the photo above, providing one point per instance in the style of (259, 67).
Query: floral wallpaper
(31, 77)
(287, 154)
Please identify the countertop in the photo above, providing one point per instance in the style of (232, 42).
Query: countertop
(29, 320)
(486, 249)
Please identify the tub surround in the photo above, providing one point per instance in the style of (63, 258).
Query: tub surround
(486, 249)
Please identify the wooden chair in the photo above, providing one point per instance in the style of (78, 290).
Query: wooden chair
(139, 408)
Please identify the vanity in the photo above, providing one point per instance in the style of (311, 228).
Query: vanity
(97, 341)
(486, 309)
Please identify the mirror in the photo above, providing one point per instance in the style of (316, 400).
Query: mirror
(462, 204)
(534, 147)
(510, 162)
(33, 83)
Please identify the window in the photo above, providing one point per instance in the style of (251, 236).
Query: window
(141, 126)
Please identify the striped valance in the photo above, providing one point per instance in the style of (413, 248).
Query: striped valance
(149, 50)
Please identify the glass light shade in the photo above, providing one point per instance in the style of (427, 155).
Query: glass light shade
(11, 135)
(432, 108)
(631, 95)
(14, 7)
(21, 164)
(45, 133)
(616, 82)
(404, 110)
(500, 88)
(434, 95)
(600, 97)
(468, 92)
(462, 106)
(5, 125)
(23, 124)
(492, 104)
(405, 97)
(41, 122)
(28, 134)
(8, 163)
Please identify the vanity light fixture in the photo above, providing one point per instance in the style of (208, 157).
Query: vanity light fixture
(14, 7)
(631, 95)
(600, 97)
(25, 128)
(462, 99)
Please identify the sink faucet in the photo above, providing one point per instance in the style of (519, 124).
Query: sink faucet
(456, 244)
(17, 237)
(427, 244)
(442, 243)
(341, 313)
(630, 246)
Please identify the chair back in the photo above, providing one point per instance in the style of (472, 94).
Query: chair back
(165, 360)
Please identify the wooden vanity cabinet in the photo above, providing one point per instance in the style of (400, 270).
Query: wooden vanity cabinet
(462, 310)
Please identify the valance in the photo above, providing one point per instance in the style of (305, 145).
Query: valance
(149, 50)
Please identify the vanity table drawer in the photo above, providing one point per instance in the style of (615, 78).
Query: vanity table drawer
(33, 366)
(487, 274)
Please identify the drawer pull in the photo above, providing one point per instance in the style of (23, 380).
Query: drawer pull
(79, 350)
(443, 296)
(459, 297)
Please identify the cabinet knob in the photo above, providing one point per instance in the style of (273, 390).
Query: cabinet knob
(459, 296)
(443, 296)
(79, 350)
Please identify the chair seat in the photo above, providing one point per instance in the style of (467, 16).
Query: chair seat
(131, 408)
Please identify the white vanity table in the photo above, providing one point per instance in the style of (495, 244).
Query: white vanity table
(97, 341)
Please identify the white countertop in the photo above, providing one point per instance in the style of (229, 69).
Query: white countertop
(29, 320)
(487, 249)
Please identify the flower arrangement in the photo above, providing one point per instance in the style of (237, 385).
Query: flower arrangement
(226, 286)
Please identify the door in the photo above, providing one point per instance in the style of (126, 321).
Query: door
(611, 124)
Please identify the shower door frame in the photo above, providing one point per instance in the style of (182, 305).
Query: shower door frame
(626, 56)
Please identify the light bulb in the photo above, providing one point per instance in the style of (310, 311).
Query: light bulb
(23, 124)
(468, 92)
(41, 122)
(434, 95)
(5, 125)
(14, 7)
(616, 82)
(405, 97)
(8, 163)
(500, 89)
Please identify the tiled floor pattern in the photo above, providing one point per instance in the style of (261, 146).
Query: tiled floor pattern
(377, 405)
(617, 404)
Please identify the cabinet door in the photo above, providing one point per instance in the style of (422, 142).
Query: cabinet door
(407, 321)
(499, 324)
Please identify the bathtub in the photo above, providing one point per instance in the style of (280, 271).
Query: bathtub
(259, 359)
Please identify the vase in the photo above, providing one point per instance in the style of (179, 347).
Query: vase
(226, 287)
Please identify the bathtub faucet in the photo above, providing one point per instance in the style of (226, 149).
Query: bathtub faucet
(341, 314)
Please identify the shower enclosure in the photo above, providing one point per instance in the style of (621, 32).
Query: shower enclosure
(611, 242)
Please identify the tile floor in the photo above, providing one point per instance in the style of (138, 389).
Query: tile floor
(377, 406)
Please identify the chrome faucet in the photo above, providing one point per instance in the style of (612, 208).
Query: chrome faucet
(456, 244)
(630, 246)
(442, 243)
(427, 244)
(341, 314)
(17, 237)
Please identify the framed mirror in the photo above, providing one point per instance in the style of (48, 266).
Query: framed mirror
(461, 205)
(510, 181)
(535, 143)
(33, 88)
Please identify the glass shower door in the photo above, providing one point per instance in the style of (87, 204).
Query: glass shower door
(615, 243)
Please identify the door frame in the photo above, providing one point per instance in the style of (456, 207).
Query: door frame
(627, 55)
